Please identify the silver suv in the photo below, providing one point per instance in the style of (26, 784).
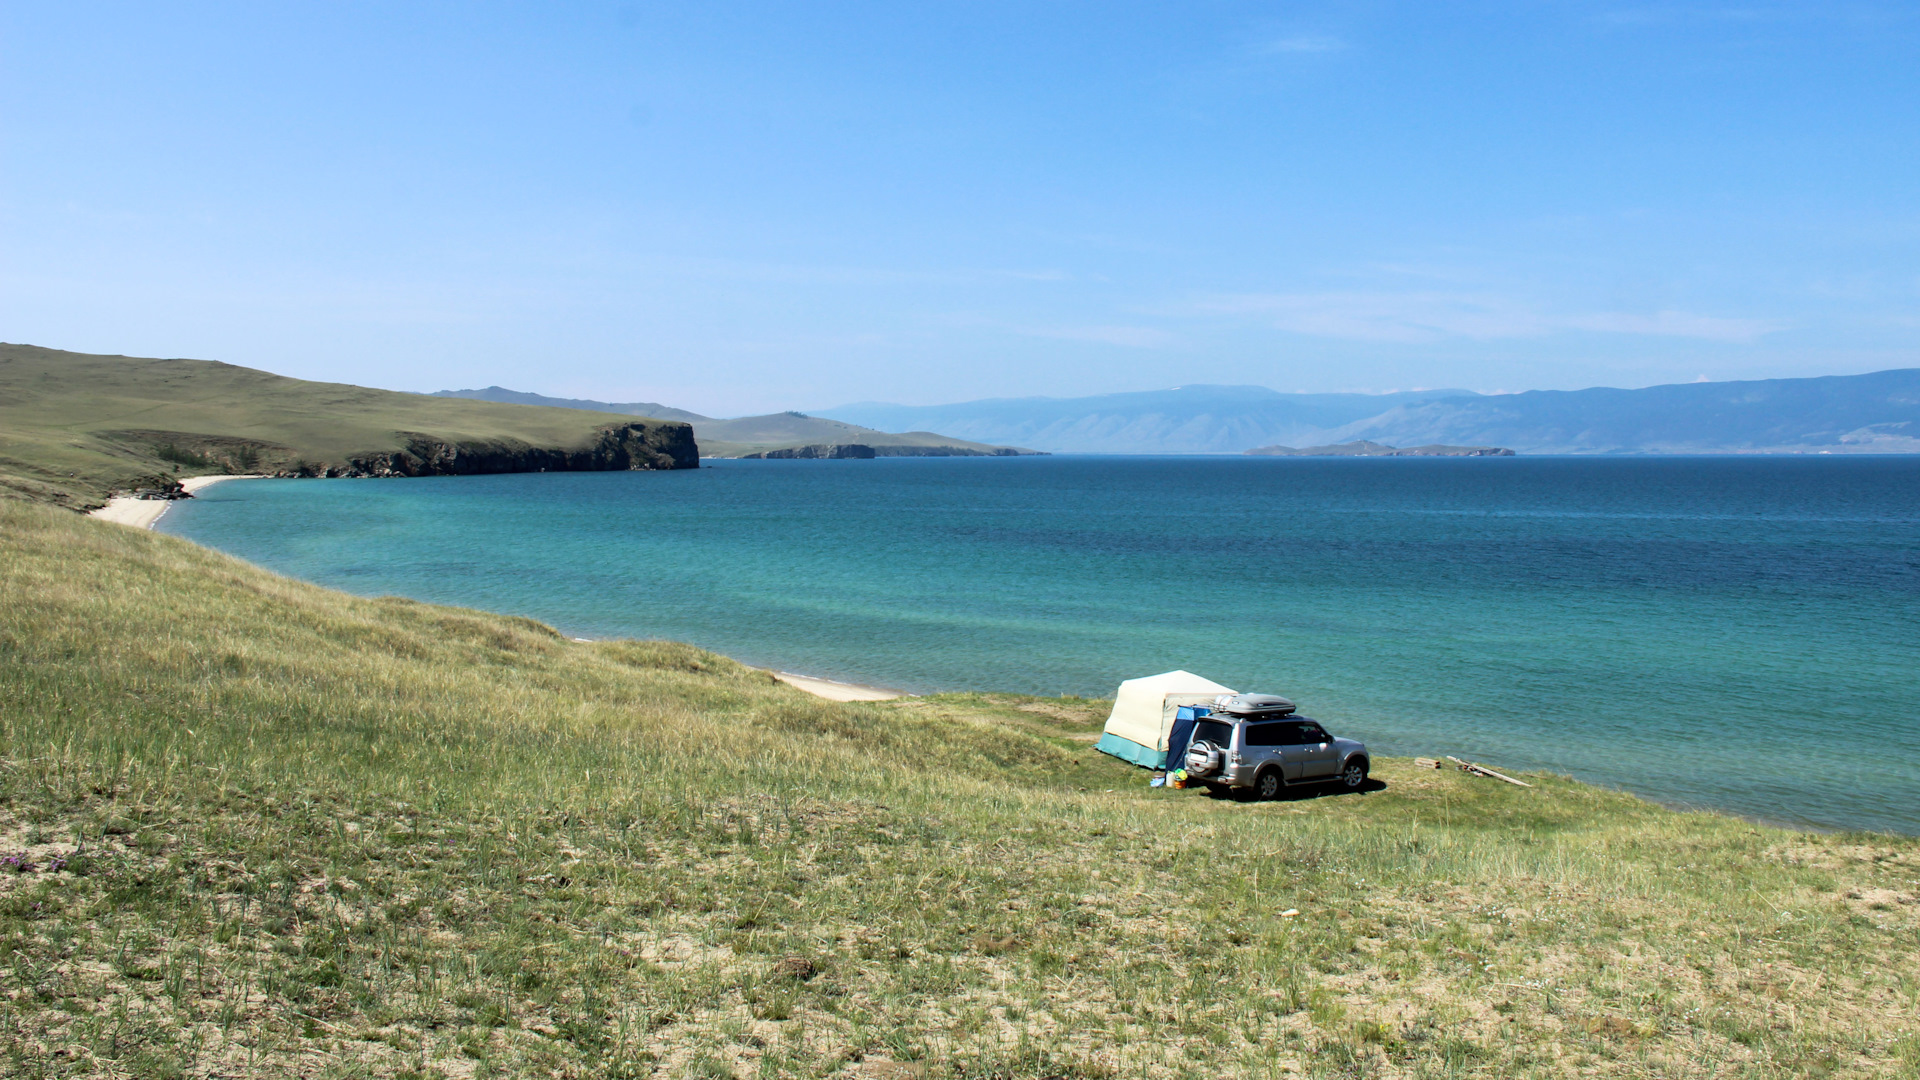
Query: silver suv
(1260, 755)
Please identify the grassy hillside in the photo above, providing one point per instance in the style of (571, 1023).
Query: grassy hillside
(250, 827)
(75, 426)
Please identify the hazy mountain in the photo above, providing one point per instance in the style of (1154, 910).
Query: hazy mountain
(629, 408)
(1184, 420)
(1876, 412)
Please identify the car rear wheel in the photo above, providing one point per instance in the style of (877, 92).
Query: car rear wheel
(1354, 774)
(1267, 785)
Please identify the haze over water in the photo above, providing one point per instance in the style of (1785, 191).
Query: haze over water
(1739, 633)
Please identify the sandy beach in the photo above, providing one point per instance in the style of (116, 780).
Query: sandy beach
(838, 691)
(142, 513)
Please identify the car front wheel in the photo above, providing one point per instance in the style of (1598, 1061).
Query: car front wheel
(1354, 774)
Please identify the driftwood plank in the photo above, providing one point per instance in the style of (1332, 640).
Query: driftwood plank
(1482, 770)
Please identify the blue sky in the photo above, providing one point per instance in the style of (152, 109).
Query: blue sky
(737, 208)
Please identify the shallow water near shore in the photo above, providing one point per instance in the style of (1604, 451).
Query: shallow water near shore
(1735, 633)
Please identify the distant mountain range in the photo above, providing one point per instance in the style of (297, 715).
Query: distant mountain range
(1879, 412)
(1363, 448)
(762, 434)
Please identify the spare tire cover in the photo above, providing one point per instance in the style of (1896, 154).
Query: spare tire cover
(1203, 758)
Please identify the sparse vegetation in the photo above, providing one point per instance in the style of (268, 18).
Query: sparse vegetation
(250, 827)
(171, 452)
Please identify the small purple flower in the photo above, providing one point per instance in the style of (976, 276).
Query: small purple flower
(19, 863)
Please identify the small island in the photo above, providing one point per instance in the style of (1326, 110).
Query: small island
(1363, 448)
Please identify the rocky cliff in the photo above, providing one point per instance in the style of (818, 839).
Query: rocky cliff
(650, 445)
(821, 451)
(952, 451)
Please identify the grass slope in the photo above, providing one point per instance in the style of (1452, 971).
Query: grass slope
(75, 426)
(250, 827)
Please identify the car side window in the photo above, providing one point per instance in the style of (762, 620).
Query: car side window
(1265, 735)
(1314, 733)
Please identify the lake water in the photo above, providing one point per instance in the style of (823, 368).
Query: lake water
(1740, 633)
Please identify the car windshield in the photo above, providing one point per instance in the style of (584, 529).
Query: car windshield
(1212, 731)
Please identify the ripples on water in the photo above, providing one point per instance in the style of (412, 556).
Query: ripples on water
(1740, 633)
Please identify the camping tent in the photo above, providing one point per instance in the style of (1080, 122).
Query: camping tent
(1143, 715)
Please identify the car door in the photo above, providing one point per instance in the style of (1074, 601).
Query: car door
(1290, 751)
(1262, 743)
(1317, 755)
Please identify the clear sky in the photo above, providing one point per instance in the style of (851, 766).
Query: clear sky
(737, 208)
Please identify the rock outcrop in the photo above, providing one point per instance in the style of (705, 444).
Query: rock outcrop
(951, 451)
(821, 451)
(613, 448)
(862, 450)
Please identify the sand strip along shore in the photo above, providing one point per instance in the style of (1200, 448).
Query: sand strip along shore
(826, 688)
(142, 513)
(838, 691)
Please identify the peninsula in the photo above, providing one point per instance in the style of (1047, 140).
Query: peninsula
(78, 427)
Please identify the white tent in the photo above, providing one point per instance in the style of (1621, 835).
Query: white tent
(1143, 713)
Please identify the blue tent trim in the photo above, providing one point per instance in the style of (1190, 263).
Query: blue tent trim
(1177, 739)
(1131, 752)
(1182, 732)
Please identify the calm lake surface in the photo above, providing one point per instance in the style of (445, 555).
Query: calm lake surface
(1738, 633)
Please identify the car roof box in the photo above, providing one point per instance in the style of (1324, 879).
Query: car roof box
(1253, 705)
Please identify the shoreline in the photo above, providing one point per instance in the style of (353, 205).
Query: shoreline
(150, 511)
(834, 690)
(145, 513)
(831, 689)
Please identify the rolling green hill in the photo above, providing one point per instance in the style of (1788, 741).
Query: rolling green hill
(254, 828)
(75, 427)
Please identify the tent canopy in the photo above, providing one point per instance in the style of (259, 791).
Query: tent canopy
(1143, 714)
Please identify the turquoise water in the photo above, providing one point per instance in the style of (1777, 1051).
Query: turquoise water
(1740, 633)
